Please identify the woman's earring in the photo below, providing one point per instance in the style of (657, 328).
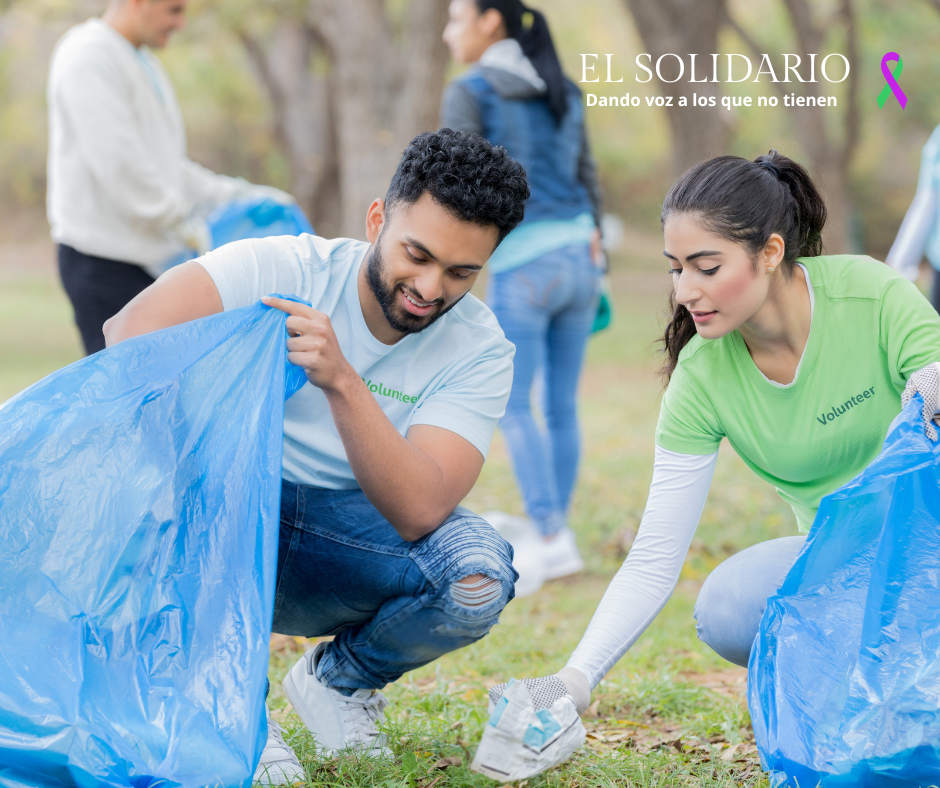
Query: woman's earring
(770, 269)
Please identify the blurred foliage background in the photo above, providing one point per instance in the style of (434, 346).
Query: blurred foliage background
(233, 115)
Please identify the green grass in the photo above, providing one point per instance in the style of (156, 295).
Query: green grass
(670, 713)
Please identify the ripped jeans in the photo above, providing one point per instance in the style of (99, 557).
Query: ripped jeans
(392, 605)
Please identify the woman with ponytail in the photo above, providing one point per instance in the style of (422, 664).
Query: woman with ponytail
(800, 361)
(544, 283)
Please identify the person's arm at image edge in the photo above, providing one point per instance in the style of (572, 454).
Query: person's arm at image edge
(182, 294)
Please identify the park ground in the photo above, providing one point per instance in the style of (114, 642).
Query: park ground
(670, 713)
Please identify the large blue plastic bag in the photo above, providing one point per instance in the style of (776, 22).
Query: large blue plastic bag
(844, 676)
(258, 217)
(139, 510)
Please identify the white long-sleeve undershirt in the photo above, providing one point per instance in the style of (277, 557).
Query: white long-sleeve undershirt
(649, 575)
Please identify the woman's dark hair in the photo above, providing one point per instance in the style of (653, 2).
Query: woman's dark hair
(530, 29)
(744, 201)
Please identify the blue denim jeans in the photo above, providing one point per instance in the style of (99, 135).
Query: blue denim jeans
(734, 596)
(546, 309)
(392, 605)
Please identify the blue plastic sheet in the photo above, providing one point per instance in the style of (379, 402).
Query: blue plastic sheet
(139, 509)
(254, 218)
(844, 676)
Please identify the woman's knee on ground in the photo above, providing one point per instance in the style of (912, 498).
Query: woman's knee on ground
(733, 599)
(720, 622)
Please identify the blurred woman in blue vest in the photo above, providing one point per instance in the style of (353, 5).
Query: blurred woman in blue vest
(544, 282)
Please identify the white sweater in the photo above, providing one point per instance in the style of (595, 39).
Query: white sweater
(119, 178)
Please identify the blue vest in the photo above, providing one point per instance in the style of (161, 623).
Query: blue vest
(549, 151)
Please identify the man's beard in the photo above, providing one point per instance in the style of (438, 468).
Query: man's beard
(397, 316)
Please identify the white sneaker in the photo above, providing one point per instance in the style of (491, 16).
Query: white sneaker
(527, 548)
(337, 722)
(278, 764)
(561, 555)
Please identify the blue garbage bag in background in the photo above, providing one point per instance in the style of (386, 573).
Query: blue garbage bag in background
(258, 217)
(844, 676)
(139, 510)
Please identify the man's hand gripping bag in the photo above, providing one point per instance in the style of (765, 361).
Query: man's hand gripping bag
(139, 510)
(844, 676)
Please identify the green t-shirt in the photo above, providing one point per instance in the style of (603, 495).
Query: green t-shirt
(871, 329)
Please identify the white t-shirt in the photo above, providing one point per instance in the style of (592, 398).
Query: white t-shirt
(456, 374)
(119, 176)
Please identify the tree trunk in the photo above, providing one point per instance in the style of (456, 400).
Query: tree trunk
(686, 27)
(384, 91)
(343, 130)
(302, 121)
(830, 159)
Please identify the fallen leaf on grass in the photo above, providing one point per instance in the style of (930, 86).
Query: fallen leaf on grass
(434, 782)
(443, 763)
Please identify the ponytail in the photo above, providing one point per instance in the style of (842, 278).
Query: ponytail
(746, 202)
(530, 28)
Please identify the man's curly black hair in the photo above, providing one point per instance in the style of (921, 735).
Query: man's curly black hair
(473, 179)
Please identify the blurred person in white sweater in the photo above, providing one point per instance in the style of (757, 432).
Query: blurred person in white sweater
(123, 198)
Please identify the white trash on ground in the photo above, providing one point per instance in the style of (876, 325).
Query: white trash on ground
(520, 741)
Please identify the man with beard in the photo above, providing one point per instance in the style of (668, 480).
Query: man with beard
(409, 375)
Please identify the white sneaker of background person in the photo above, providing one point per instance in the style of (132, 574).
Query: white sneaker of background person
(527, 557)
(561, 555)
(338, 722)
(278, 764)
(535, 557)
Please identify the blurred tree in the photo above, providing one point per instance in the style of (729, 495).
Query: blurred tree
(351, 82)
(830, 150)
(686, 27)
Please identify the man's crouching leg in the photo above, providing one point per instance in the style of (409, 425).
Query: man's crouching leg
(468, 579)
(391, 605)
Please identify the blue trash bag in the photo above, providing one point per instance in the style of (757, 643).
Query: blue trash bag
(258, 217)
(139, 511)
(844, 676)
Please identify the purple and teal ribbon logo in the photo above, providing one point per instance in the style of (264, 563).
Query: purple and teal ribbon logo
(891, 80)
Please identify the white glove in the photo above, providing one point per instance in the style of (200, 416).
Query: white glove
(925, 382)
(567, 681)
(195, 233)
(534, 724)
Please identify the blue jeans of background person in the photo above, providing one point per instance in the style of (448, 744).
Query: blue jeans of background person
(392, 605)
(734, 596)
(546, 308)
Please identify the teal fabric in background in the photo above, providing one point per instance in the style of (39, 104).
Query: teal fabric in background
(529, 241)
